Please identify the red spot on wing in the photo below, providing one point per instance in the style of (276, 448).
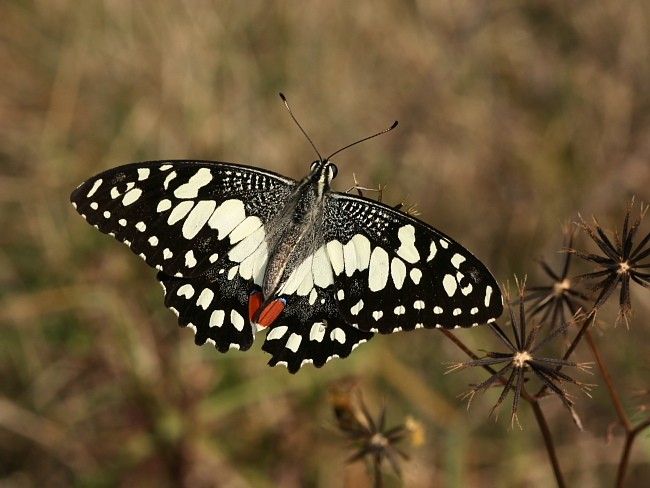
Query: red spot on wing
(267, 315)
(254, 303)
(271, 312)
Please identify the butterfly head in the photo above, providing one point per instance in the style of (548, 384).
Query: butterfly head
(323, 170)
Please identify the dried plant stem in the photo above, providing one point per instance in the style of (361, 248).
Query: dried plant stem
(450, 335)
(378, 480)
(548, 443)
(588, 321)
(630, 431)
(613, 393)
(625, 457)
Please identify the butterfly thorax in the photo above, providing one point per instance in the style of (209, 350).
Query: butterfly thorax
(298, 228)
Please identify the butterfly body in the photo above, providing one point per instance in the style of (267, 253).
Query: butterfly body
(240, 250)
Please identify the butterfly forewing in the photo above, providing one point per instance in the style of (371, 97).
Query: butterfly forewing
(394, 272)
(181, 217)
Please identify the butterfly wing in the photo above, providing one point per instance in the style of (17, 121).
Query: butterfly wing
(202, 225)
(394, 272)
(311, 332)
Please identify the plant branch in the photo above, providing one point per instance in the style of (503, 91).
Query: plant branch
(548, 443)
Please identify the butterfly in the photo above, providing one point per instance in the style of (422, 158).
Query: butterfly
(241, 250)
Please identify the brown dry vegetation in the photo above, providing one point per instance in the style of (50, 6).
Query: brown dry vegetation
(513, 115)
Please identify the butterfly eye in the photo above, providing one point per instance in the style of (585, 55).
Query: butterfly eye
(333, 170)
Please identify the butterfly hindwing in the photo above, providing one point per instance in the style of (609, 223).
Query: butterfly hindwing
(216, 310)
(394, 272)
(311, 332)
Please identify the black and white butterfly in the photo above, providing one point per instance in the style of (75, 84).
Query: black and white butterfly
(239, 250)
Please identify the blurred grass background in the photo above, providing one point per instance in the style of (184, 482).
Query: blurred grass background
(514, 116)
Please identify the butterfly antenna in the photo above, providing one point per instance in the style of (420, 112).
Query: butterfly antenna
(362, 140)
(286, 104)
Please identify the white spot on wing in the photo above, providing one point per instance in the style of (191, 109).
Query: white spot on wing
(186, 291)
(164, 205)
(340, 294)
(377, 314)
(180, 211)
(232, 272)
(416, 275)
(356, 308)
(398, 272)
(418, 305)
(205, 298)
(437, 310)
(349, 258)
(237, 320)
(449, 284)
(457, 260)
(362, 250)
(338, 335)
(293, 343)
(467, 289)
(167, 254)
(190, 260)
(249, 225)
(227, 216)
(317, 332)
(276, 332)
(216, 318)
(202, 177)
(153, 241)
(95, 187)
(255, 264)
(296, 278)
(321, 268)
(248, 244)
(168, 179)
(197, 218)
(399, 310)
(131, 197)
(407, 249)
(307, 283)
(312, 296)
(143, 173)
(379, 269)
(335, 253)
(488, 295)
(432, 251)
